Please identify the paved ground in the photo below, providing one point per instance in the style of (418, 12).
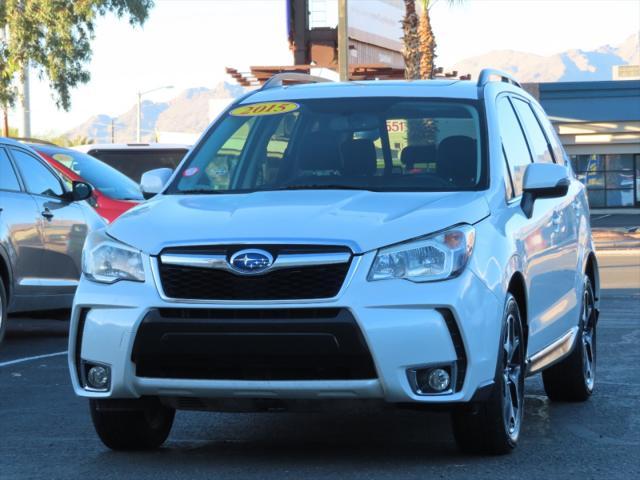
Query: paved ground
(45, 431)
(615, 220)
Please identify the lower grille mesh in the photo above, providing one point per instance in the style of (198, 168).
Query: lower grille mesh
(236, 344)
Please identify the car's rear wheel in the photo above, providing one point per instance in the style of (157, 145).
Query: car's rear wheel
(493, 426)
(139, 425)
(573, 379)
(3, 310)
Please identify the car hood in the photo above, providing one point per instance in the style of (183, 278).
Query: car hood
(362, 220)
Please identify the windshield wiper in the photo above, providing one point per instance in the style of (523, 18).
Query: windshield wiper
(198, 191)
(320, 187)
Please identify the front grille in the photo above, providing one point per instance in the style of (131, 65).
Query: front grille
(255, 344)
(309, 282)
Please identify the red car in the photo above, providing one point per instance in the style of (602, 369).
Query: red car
(113, 192)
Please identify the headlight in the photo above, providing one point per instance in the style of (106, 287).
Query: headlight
(435, 257)
(105, 260)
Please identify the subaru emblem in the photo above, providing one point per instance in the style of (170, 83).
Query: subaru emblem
(251, 261)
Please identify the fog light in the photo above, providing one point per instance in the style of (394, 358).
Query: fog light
(439, 379)
(98, 377)
(432, 380)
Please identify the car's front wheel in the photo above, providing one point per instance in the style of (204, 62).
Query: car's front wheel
(493, 426)
(137, 425)
(573, 379)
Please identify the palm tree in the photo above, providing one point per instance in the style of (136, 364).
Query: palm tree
(411, 40)
(427, 43)
(419, 40)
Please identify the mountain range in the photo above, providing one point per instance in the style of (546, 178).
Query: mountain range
(569, 66)
(189, 113)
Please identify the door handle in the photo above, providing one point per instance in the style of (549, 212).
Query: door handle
(46, 213)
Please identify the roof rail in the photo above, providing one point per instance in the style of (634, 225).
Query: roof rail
(279, 79)
(487, 73)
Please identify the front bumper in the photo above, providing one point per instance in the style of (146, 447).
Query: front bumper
(404, 326)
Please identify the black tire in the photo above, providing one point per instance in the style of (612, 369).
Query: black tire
(144, 427)
(493, 427)
(573, 379)
(3, 310)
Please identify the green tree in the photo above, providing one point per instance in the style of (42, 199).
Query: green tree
(64, 141)
(54, 37)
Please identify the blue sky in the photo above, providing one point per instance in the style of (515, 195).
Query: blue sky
(187, 43)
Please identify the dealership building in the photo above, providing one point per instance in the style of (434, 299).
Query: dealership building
(599, 125)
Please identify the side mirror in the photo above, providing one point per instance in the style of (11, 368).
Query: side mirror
(543, 180)
(81, 191)
(153, 181)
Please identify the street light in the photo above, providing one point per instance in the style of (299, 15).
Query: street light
(139, 116)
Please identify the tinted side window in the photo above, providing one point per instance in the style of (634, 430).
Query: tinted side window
(8, 179)
(558, 150)
(38, 178)
(514, 143)
(537, 140)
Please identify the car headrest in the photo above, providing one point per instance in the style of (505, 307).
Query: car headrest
(412, 154)
(458, 159)
(320, 152)
(359, 157)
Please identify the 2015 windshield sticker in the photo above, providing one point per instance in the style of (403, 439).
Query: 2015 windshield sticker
(265, 108)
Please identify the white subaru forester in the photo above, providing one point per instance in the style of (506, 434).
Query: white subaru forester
(420, 243)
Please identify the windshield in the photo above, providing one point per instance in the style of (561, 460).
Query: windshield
(381, 144)
(106, 179)
(134, 162)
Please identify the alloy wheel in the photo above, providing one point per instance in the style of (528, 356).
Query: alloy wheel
(513, 380)
(588, 339)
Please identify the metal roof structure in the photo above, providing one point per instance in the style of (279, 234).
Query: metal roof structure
(603, 101)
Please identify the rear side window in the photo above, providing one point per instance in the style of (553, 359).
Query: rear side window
(103, 177)
(558, 150)
(38, 178)
(514, 143)
(8, 178)
(537, 140)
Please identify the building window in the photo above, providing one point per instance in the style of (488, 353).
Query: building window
(611, 180)
(637, 179)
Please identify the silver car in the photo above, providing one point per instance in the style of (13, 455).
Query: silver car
(42, 229)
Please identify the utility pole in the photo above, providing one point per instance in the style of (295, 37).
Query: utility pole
(113, 131)
(138, 117)
(343, 41)
(5, 123)
(25, 101)
(5, 113)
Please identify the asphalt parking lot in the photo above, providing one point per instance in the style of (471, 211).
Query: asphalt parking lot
(45, 431)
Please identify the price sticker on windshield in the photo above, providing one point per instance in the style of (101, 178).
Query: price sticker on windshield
(264, 108)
